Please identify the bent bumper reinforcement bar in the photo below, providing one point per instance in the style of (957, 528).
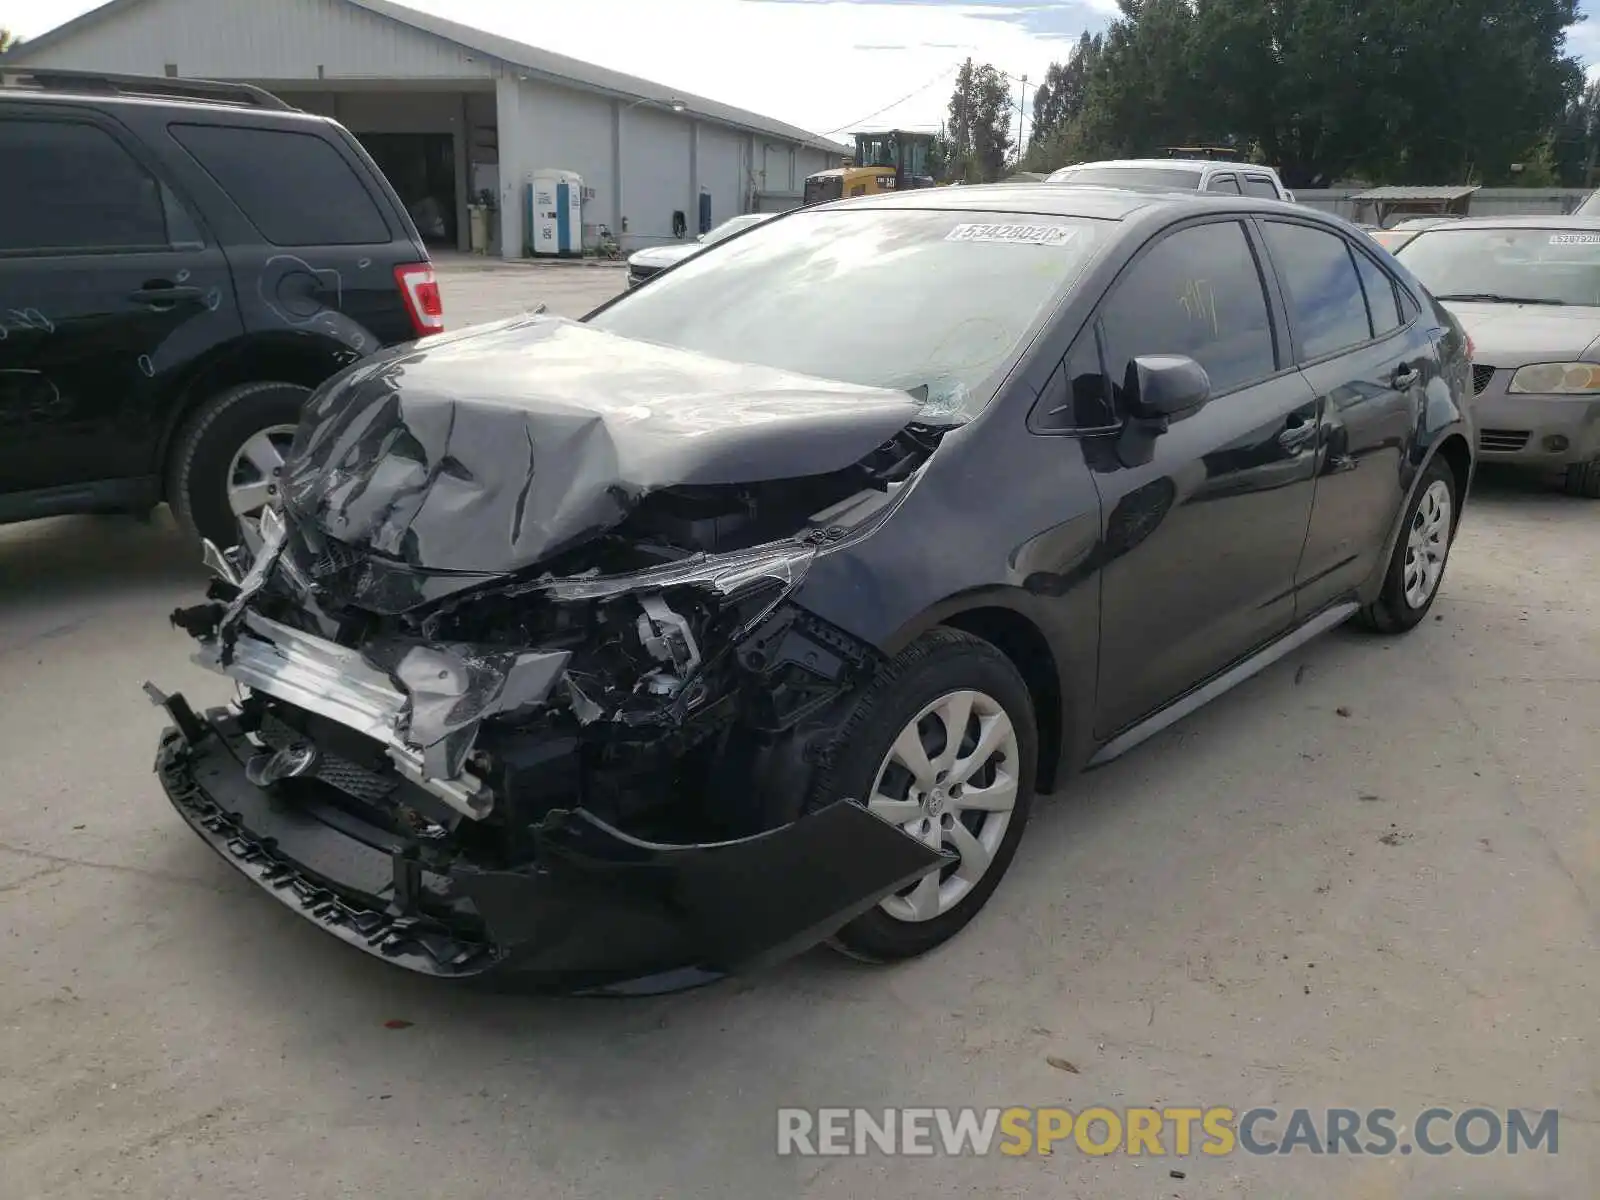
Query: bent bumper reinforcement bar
(601, 911)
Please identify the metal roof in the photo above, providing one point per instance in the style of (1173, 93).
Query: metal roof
(530, 59)
(1402, 192)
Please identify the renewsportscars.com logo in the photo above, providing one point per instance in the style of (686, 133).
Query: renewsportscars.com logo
(834, 1132)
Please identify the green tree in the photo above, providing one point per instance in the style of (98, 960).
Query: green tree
(8, 40)
(1576, 145)
(979, 128)
(1060, 99)
(1412, 90)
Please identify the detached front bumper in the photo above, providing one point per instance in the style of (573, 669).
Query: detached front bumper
(601, 911)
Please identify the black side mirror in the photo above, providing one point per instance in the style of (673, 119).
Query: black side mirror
(1158, 389)
(1165, 387)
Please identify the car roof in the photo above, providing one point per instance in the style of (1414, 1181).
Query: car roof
(184, 104)
(1519, 222)
(1063, 200)
(1182, 164)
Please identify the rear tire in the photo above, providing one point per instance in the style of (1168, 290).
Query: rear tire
(1416, 569)
(943, 679)
(1583, 479)
(201, 468)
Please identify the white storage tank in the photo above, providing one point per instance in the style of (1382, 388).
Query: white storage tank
(555, 219)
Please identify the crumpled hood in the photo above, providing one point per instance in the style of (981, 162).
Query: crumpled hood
(1513, 335)
(487, 451)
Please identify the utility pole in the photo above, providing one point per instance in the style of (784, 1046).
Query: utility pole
(1022, 113)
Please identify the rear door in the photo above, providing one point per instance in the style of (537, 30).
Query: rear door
(1367, 356)
(1201, 542)
(315, 232)
(109, 290)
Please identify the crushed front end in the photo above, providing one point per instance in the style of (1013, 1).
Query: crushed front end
(592, 773)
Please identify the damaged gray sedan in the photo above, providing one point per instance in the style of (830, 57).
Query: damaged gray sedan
(748, 612)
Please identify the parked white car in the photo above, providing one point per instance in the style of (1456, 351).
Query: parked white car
(642, 264)
(1179, 175)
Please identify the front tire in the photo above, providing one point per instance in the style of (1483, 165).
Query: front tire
(1583, 479)
(1416, 569)
(943, 744)
(223, 463)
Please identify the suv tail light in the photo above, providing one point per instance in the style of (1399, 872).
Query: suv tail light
(419, 287)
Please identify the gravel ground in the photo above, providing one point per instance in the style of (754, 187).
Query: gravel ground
(1368, 877)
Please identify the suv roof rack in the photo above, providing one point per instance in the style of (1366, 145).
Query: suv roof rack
(202, 91)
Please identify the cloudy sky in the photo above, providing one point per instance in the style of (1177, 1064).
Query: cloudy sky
(825, 65)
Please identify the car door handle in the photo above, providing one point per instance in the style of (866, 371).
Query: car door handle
(1298, 436)
(165, 295)
(1405, 377)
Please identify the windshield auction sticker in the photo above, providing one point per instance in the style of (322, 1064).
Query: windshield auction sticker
(1027, 235)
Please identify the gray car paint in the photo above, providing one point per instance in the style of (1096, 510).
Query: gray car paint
(1508, 336)
(1513, 335)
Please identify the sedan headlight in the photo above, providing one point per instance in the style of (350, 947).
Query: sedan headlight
(1558, 379)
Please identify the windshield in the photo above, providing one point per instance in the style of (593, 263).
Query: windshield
(904, 299)
(1517, 264)
(1162, 177)
(730, 227)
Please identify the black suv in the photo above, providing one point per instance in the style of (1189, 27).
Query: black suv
(181, 263)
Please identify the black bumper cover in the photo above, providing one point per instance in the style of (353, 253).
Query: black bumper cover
(601, 912)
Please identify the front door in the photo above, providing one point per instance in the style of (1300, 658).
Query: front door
(1203, 539)
(108, 293)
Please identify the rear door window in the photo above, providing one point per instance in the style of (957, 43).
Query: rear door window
(296, 188)
(72, 187)
(1224, 183)
(1324, 291)
(1197, 292)
(1260, 185)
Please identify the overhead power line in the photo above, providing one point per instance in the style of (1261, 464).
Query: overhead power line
(895, 104)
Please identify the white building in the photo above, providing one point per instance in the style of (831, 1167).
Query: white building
(449, 111)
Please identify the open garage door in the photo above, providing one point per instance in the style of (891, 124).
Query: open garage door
(421, 167)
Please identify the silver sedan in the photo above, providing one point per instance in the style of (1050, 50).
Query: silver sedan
(1527, 290)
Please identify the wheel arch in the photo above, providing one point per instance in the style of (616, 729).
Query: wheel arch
(307, 360)
(1025, 645)
(1457, 455)
(1453, 449)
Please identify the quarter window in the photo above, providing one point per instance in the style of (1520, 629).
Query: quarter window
(1197, 292)
(294, 187)
(1381, 303)
(71, 187)
(1324, 291)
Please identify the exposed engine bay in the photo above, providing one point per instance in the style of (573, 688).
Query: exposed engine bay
(520, 627)
(658, 677)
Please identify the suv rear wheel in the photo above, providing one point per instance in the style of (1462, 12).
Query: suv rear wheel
(225, 463)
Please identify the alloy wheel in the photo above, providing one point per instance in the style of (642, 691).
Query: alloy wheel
(949, 780)
(255, 474)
